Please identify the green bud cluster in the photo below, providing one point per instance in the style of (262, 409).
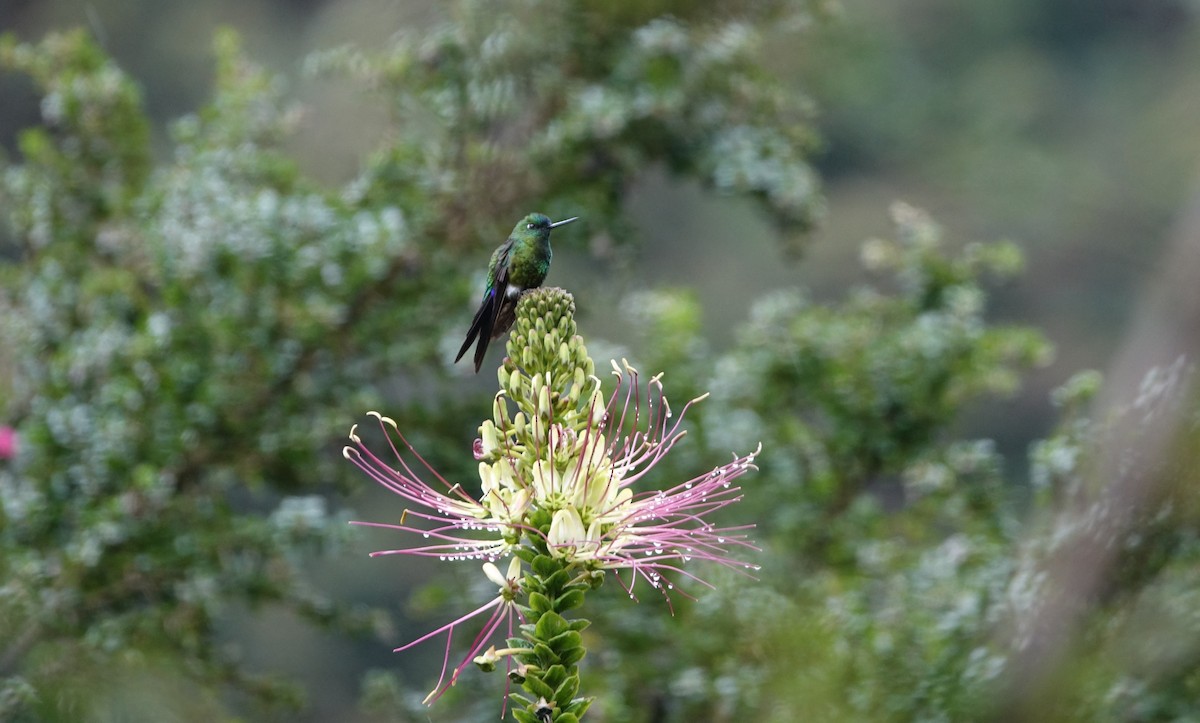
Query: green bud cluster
(548, 376)
(547, 358)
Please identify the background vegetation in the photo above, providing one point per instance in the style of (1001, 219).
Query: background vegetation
(223, 246)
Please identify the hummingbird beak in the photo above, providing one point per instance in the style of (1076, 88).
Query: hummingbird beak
(556, 224)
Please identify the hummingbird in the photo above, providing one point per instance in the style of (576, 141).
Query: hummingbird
(519, 264)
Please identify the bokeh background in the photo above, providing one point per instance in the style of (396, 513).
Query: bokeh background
(1068, 127)
(1065, 126)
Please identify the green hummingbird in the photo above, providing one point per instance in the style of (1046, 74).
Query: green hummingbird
(520, 263)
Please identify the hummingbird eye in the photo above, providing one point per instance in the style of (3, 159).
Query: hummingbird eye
(528, 225)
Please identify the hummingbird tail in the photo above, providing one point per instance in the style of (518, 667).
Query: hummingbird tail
(481, 329)
(481, 350)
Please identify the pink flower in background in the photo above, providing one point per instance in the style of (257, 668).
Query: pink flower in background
(8, 442)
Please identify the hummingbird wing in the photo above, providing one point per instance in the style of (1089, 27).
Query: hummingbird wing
(485, 317)
(489, 322)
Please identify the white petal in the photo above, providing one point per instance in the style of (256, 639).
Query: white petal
(493, 573)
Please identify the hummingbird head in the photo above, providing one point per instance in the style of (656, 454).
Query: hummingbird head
(539, 225)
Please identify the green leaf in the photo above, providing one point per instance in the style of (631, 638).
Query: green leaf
(524, 716)
(546, 656)
(545, 566)
(556, 582)
(540, 519)
(567, 640)
(573, 656)
(569, 600)
(579, 706)
(539, 603)
(549, 625)
(566, 691)
(538, 687)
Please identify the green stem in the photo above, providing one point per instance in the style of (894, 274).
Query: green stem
(549, 671)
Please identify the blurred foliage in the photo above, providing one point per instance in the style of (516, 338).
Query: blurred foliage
(877, 517)
(904, 578)
(573, 102)
(186, 337)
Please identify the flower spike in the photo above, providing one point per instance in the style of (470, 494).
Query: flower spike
(562, 471)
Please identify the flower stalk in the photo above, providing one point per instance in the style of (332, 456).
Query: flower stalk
(558, 465)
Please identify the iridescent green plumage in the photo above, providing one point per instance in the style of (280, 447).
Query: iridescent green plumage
(519, 264)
